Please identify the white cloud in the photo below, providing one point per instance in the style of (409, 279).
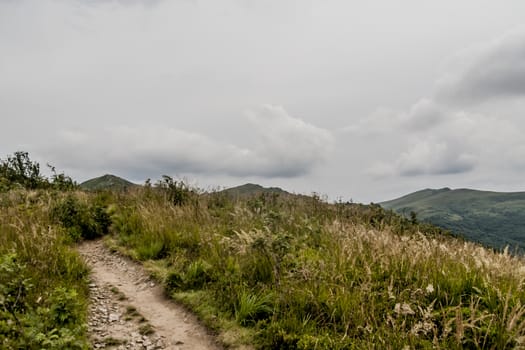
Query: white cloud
(449, 133)
(283, 146)
(288, 141)
(380, 170)
(422, 115)
(434, 158)
(462, 142)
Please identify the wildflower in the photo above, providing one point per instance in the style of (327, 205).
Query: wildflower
(430, 288)
(422, 328)
(403, 309)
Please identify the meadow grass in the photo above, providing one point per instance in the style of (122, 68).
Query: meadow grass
(285, 272)
(272, 271)
(43, 282)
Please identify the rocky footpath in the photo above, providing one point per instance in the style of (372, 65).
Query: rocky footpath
(115, 323)
(129, 311)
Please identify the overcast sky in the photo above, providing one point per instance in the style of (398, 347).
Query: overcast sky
(361, 100)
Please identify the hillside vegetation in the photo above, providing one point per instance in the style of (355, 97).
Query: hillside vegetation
(43, 283)
(491, 218)
(107, 182)
(270, 271)
(298, 273)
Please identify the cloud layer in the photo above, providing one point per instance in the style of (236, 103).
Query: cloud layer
(282, 146)
(447, 133)
(143, 88)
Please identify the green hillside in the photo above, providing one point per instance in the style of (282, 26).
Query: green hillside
(248, 190)
(495, 219)
(107, 182)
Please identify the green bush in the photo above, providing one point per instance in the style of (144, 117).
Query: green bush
(53, 322)
(82, 220)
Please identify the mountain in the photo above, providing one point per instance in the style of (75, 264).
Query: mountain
(107, 182)
(495, 219)
(248, 190)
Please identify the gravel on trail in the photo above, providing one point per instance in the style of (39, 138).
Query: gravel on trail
(128, 310)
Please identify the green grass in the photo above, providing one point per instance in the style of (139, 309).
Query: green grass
(111, 341)
(43, 283)
(146, 329)
(270, 271)
(285, 272)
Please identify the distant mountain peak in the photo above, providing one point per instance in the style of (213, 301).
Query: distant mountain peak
(107, 182)
(250, 189)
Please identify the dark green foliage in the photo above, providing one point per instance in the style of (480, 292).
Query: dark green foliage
(174, 281)
(20, 170)
(82, 220)
(13, 288)
(54, 321)
(176, 192)
(253, 307)
(43, 282)
(60, 181)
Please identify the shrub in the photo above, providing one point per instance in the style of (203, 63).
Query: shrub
(176, 192)
(19, 169)
(82, 220)
(57, 322)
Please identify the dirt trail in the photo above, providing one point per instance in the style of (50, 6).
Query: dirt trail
(129, 311)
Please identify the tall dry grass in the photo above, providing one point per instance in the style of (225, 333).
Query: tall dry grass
(297, 273)
(42, 280)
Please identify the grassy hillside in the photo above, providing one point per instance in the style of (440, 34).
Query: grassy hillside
(270, 271)
(43, 282)
(281, 272)
(107, 182)
(491, 218)
(248, 190)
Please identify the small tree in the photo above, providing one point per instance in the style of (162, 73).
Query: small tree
(61, 181)
(177, 192)
(19, 169)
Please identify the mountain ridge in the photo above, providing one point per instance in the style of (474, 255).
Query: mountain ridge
(107, 182)
(495, 219)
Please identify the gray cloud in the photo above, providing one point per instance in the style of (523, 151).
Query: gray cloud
(434, 158)
(490, 71)
(443, 134)
(142, 90)
(423, 115)
(427, 157)
(282, 146)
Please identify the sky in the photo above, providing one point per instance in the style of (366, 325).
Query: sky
(354, 100)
